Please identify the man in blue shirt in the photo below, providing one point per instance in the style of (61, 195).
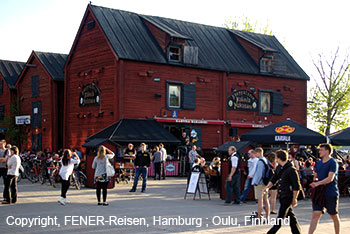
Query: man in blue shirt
(326, 173)
(258, 183)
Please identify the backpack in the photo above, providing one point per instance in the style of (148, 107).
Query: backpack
(269, 172)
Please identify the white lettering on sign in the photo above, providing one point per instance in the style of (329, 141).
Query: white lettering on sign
(192, 121)
(282, 138)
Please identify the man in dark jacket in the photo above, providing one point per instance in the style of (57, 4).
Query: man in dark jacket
(288, 189)
(142, 162)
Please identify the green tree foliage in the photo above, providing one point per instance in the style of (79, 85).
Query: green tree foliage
(330, 97)
(244, 24)
(13, 132)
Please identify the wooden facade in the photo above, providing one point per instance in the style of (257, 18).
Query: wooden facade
(9, 73)
(40, 95)
(128, 87)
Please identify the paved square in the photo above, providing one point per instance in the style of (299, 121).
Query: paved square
(153, 210)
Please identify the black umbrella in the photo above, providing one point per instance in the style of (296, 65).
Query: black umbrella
(341, 137)
(285, 132)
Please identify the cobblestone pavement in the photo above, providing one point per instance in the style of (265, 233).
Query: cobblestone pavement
(149, 212)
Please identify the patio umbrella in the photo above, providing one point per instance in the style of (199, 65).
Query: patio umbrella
(341, 137)
(285, 132)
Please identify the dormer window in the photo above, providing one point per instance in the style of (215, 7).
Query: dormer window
(174, 53)
(266, 64)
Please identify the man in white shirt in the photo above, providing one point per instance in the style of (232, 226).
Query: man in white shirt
(233, 178)
(163, 158)
(13, 163)
(252, 161)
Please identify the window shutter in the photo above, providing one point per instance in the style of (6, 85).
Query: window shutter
(35, 86)
(1, 86)
(36, 114)
(189, 97)
(191, 55)
(2, 112)
(277, 104)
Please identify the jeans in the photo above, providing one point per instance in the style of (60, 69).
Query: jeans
(144, 172)
(233, 186)
(101, 186)
(10, 184)
(162, 168)
(247, 187)
(157, 170)
(286, 210)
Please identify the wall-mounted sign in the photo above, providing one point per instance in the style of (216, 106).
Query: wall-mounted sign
(242, 100)
(23, 119)
(90, 95)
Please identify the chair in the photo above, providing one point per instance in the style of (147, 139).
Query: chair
(128, 172)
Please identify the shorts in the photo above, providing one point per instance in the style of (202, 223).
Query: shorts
(331, 204)
(259, 192)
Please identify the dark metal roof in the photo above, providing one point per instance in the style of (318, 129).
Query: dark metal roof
(286, 64)
(132, 130)
(218, 48)
(11, 70)
(53, 63)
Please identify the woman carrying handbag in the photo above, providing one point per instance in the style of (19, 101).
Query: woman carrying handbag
(103, 172)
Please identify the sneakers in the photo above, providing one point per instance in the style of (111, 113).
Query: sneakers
(66, 201)
(61, 201)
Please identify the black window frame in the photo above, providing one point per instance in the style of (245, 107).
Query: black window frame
(1, 87)
(2, 112)
(173, 83)
(271, 94)
(178, 46)
(267, 64)
(35, 86)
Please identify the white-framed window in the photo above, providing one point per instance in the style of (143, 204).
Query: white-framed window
(174, 96)
(266, 64)
(174, 53)
(265, 102)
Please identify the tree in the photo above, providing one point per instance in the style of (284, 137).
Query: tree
(330, 100)
(244, 24)
(13, 132)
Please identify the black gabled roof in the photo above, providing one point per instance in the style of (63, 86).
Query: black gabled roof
(53, 63)
(218, 49)
(271, 44)
(11, 70)
(132, 130)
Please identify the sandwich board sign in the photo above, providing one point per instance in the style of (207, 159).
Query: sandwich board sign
(197, 182)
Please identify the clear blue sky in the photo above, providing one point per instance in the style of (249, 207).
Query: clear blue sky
(306, 28)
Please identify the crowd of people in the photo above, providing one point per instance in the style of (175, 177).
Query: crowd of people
(280, 173)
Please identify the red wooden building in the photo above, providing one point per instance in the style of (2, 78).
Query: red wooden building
(9, 73)
(40, 95)
(208, 81)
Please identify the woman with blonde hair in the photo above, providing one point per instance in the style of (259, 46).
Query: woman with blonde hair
(67, 162)
(101, 178)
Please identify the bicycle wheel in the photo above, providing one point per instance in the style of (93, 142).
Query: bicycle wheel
(82, 179)
(75, 182)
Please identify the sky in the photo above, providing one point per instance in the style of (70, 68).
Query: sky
(306, 28)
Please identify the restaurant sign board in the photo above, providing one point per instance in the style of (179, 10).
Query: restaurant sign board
(242, 100)
(90, 95)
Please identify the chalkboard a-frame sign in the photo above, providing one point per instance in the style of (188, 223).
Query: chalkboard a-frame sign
(197, 182)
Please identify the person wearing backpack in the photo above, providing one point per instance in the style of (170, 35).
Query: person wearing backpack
(288, 187)
(259, 185)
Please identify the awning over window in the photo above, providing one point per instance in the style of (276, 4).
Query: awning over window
(132, 130)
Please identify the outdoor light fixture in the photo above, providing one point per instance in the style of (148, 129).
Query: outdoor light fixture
(158, 95)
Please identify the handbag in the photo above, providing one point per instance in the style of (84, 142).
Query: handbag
(109, 169)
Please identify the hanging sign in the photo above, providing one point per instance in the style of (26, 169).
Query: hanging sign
(242, 100)
(90, 95)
